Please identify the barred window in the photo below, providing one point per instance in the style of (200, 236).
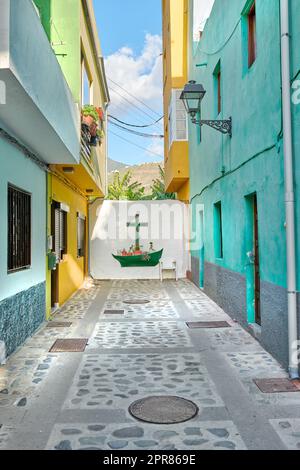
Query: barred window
(19, 229)
(80, 235)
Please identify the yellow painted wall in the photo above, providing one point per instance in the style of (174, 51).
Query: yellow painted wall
(184, 192)
(176, 167)
(71, 270)
(175, 43)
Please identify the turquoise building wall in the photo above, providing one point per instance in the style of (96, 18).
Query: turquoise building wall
(229, 170)
(22, 294)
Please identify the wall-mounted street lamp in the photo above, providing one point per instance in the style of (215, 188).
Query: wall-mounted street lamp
(192, 96)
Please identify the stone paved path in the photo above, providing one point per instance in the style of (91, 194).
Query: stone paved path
(80, 400)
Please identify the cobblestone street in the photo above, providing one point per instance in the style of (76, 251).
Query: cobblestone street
(80, 400)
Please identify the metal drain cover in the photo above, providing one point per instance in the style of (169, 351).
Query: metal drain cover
(69, 345)
(208, 324)
(114, 312)
(59, 324)
(277, 385)
(136, 302)
(163, 410)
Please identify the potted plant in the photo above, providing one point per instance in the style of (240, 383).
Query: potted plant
(93, 129)
(100, 135)
(90, 116)
(93, 141)
(100, 114)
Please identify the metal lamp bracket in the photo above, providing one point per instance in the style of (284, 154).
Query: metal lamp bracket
(223, 126)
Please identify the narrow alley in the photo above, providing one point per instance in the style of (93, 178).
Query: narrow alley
(80, 400)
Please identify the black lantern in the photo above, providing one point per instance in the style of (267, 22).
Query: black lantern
(192, 96)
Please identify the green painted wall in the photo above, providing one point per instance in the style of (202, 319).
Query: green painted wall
(227, 170)
(61, 21)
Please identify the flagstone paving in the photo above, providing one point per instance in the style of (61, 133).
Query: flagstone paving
(200, 436)
(163, 309)
(289, 432)
(139, 334)
(114, 381)
(80, 400)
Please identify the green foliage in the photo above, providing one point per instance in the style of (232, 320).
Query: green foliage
(158, 191)
(122, 188)
(90, 110)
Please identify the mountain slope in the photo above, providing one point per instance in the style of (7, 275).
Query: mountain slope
(144, 173)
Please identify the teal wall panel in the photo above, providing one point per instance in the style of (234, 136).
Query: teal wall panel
(227, 170)
(23, 173)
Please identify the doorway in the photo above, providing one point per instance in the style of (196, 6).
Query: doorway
(55, 249)
(256, 263)
(253, 260)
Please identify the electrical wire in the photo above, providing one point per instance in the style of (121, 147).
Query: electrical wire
(121, 109)
(133, 125)
(136, 145)
(130, 94)
(140, 134)
(198, 49)
(131, 103)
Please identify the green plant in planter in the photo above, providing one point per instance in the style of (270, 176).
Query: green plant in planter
(100, 134)
(90, 111)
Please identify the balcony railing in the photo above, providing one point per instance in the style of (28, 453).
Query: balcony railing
(89, 156)
(86, 149)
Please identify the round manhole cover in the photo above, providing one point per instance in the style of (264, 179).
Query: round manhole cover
(163, 410)
(137, 301)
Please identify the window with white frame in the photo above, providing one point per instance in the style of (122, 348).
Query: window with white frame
(87, 85)
(178, 129)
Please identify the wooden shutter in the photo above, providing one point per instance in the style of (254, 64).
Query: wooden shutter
(57, 234)
(178, 129)
(181, 118)
(60, 230)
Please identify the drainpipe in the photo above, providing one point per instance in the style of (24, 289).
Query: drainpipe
(289, 190)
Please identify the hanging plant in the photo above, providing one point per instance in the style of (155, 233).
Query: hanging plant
(100, 114)
(94, 141)
(90, 111)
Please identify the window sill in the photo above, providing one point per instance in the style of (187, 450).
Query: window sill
(18, 270)
(249, 69)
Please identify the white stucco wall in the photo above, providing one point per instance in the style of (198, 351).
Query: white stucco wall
(167, 228)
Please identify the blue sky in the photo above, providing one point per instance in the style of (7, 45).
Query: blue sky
(130, 36)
